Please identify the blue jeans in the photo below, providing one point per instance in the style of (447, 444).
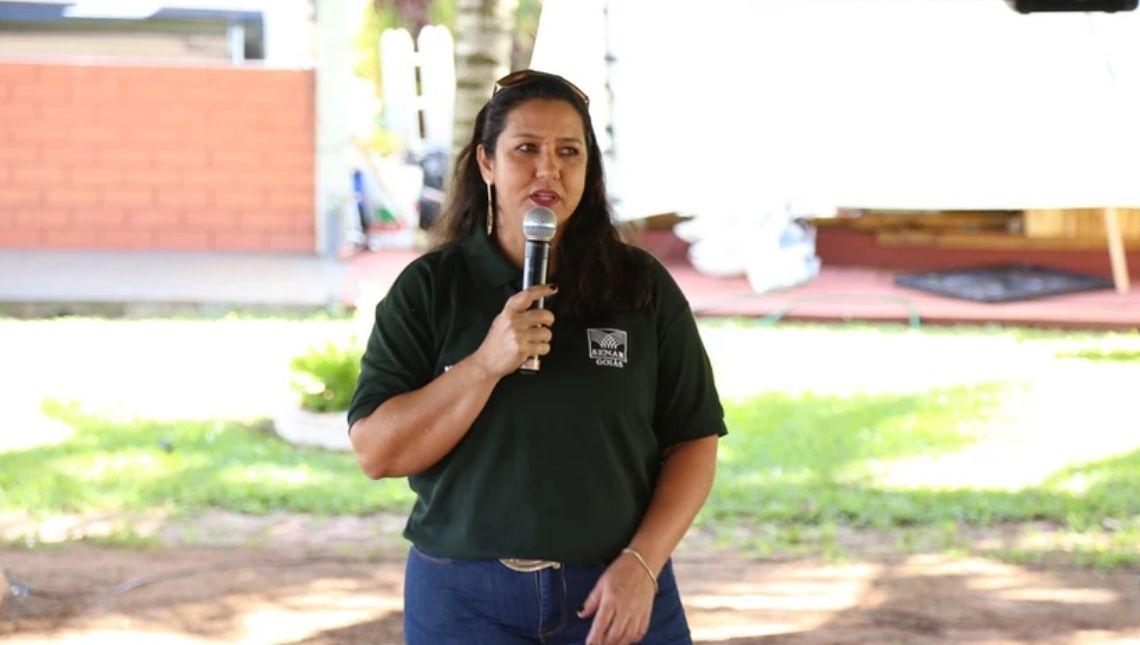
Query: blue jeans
(482, 601)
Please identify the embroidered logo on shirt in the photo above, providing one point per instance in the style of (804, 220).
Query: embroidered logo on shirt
(608, 347)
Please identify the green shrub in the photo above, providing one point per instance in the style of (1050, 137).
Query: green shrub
(326, 376)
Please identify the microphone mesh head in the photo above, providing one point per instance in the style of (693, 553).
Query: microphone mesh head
(539, 224)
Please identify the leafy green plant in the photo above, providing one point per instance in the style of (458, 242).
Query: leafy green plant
(326, 376)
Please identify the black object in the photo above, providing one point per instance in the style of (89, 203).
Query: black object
(539, 225)
(434, 164)
(1032, 6)
(535, 262)
(1004, 283)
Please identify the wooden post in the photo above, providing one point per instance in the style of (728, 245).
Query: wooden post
(5, 591)
(1116, 250)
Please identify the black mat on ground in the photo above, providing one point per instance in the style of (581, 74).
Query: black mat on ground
(1005, 283)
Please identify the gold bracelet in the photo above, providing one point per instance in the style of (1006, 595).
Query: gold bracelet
(644, 564)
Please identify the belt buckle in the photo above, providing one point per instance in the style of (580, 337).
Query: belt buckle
(524, 565)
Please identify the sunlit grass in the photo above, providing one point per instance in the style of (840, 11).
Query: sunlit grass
(793, 469)
(805, 460)
(187, 465)
(796, 472)
(1110, 355)
(791, 459)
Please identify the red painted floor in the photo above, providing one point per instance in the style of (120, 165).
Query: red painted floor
(848, 293)
(841, 294)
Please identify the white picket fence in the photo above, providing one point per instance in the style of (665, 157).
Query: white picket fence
(433, 97)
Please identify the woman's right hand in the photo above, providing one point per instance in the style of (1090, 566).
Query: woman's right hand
(517, 333)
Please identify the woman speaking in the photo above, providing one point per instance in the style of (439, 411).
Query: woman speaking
(548, 503)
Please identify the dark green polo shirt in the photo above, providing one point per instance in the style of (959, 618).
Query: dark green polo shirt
(561, 464)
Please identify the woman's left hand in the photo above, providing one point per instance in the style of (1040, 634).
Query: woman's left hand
(620, 602)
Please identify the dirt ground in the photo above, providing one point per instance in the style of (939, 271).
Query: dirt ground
(336, 583)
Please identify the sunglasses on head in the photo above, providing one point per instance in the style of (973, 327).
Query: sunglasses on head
(524, 76)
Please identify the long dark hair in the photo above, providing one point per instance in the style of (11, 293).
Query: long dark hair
(598, 275)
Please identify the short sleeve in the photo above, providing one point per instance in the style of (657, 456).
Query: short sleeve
(400, 355)
(688, 406)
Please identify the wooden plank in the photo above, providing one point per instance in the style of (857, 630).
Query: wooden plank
(1087, 223)
(994, 241)
(1116, 250)
(942, 220)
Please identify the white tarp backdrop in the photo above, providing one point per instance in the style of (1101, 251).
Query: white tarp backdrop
(726, 107)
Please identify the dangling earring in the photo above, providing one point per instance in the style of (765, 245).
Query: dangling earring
(490, 212)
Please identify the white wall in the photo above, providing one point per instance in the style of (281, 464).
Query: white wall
(722, 106)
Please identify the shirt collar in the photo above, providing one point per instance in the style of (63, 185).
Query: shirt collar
(487, 265)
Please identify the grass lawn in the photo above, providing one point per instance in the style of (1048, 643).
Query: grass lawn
(798, 469)
(184, 466)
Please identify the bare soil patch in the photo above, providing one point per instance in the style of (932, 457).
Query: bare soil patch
(284, 580)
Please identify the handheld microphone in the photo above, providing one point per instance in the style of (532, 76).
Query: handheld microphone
(539, 225)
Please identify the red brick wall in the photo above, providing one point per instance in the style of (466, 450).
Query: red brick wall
(102, 157)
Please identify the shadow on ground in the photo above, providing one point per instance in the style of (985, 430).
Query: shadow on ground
(245, 596)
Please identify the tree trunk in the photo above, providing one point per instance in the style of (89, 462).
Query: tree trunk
(484, 32)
